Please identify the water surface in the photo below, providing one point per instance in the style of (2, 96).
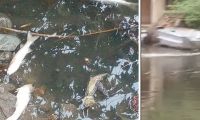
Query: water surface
(170, 86)
(63, 67)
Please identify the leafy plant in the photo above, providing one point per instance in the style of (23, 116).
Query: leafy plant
(191, 10)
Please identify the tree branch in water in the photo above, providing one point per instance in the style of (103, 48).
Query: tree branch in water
(70, 36)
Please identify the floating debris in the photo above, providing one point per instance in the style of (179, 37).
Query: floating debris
(94, 84)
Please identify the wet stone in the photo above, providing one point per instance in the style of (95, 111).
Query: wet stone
(2, 90)
(7, 104)
(7, 101)
(5, 56)
(5, 21)
(7, 87)
(8, 42)
(2, 116)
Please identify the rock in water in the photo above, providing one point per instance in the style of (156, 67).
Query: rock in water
(5, 56)
(5, 21)
(7, 103)
(8, 42)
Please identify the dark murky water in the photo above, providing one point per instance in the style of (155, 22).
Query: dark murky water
(170, 86)
(60, 66)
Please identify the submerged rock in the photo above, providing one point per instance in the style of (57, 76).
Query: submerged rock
(5, 56)
(5, 21)
(6, 87)
(7, 101)
(8, 42)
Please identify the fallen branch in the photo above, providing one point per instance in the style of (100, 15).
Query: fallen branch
(36, 34)
(104, 31)
(70, 36)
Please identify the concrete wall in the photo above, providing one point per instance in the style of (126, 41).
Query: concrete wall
(157, 9)
(152, 10)
(146, 11)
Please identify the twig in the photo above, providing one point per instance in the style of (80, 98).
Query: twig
(70, 36)
(104, 31)
(36, 34)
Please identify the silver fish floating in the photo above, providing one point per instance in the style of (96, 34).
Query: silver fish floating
(23, 98)
(20, 55)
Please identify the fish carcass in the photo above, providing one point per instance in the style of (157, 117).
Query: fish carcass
(20, 55)
(94, 85)
(23, 98)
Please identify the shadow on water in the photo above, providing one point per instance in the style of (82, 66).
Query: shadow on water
(170, 87)
(63, 67)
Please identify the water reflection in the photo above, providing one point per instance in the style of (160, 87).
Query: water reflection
(170, 86)
(63, 67)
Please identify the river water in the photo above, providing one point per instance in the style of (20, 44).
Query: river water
(63, 67)
(170, 85)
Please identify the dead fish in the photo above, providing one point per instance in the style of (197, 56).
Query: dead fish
(120, 2)
(23, 98)
(94, 85)
(20, 55)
